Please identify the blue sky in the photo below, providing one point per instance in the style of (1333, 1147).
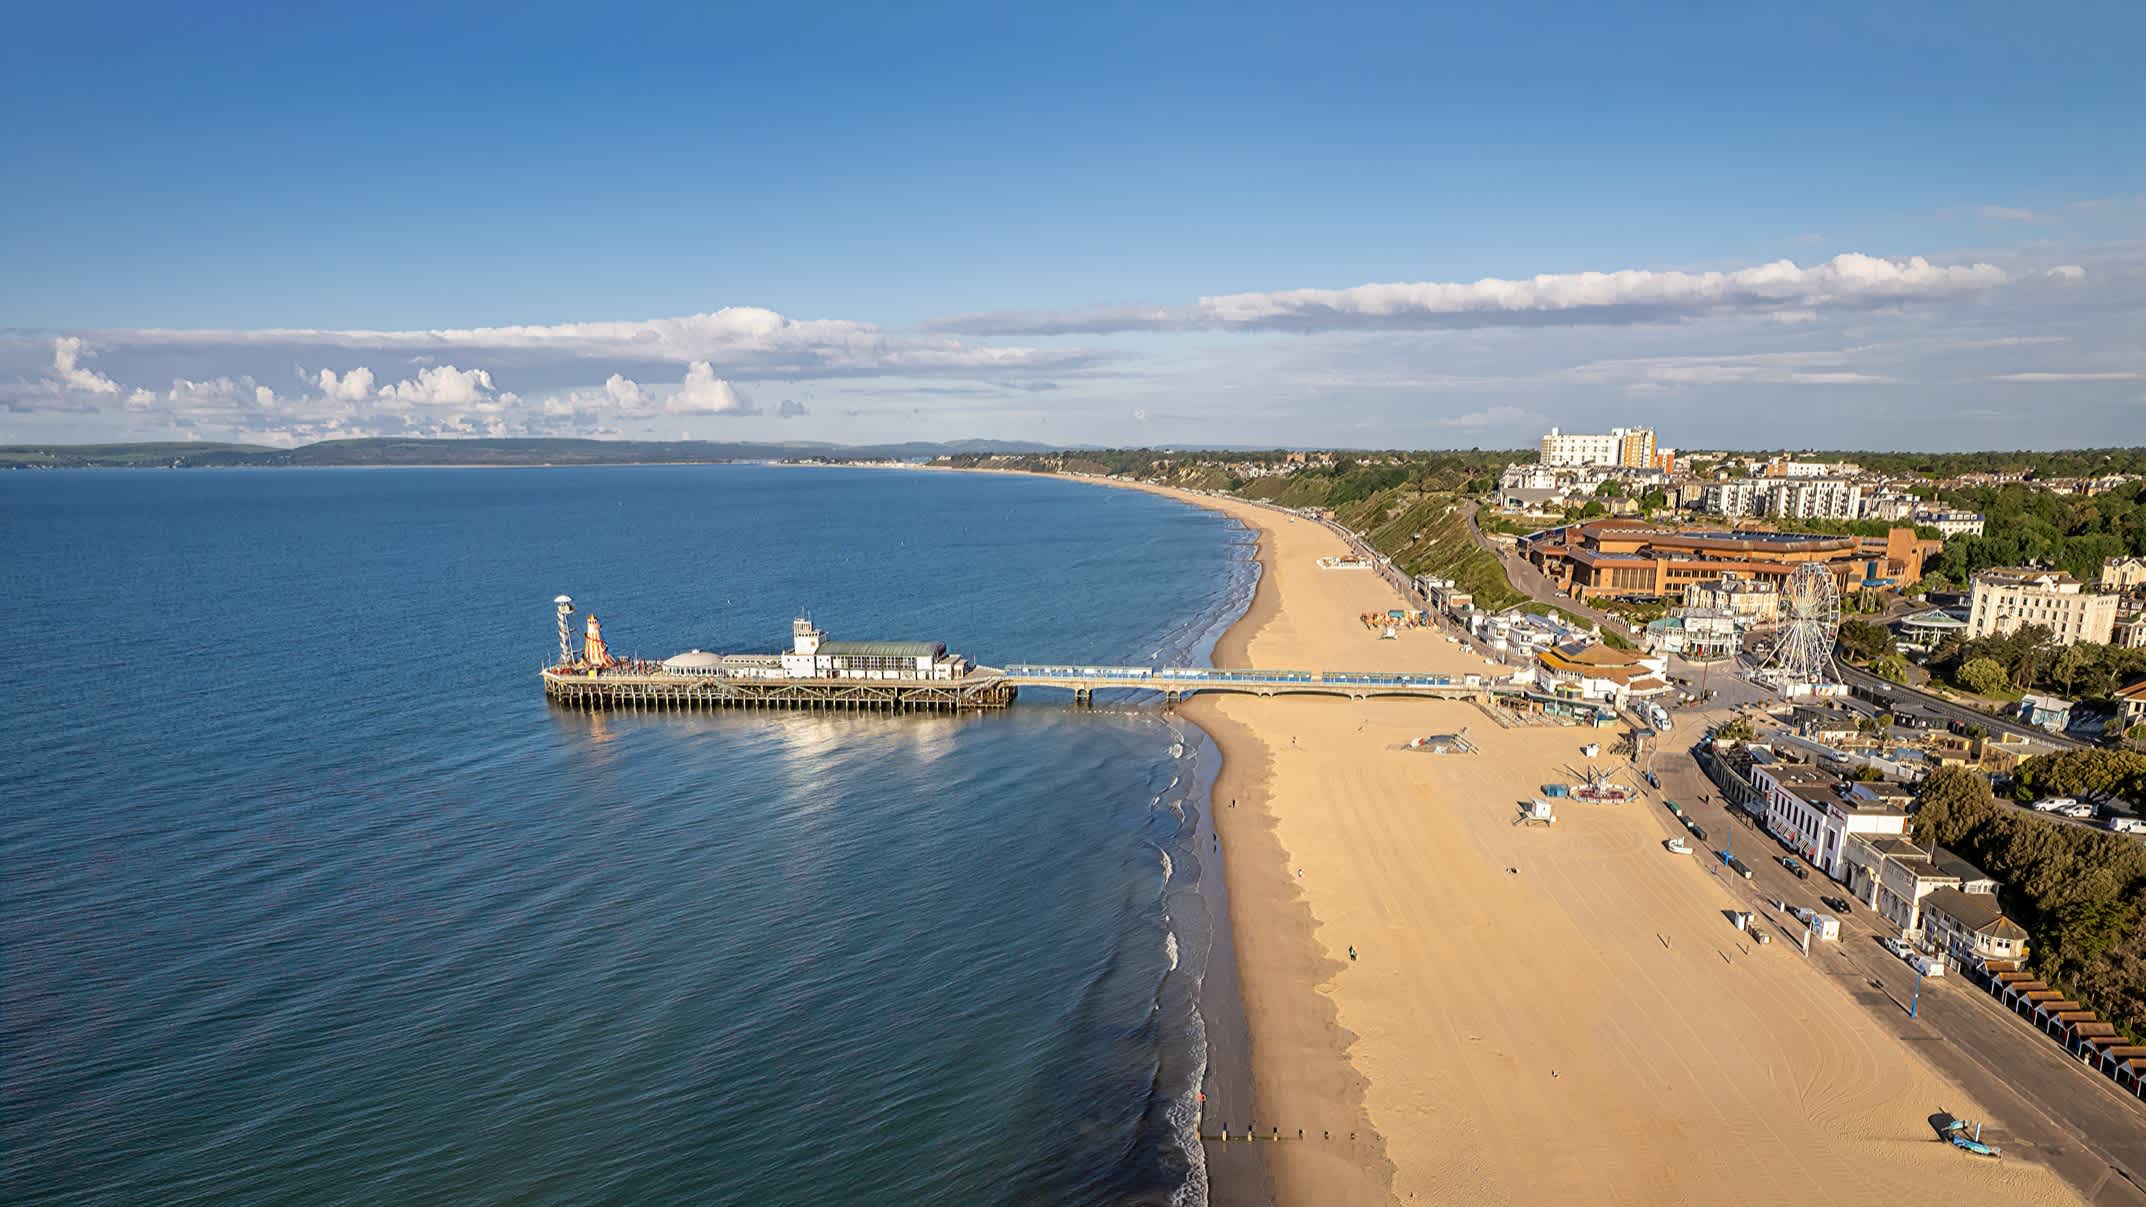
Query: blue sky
(403, 183)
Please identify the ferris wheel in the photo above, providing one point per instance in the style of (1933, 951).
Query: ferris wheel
(1809, 621)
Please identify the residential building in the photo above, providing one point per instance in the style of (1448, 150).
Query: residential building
(1818, 499)
(1739, 497)
(1635, 446)
(1620, 558)
(2004, 601)
(1815, 812)
(1619, 446)
(1970, 928)
(1888, 505)
(1797, 498)
(1951, 523)
(2123, 573)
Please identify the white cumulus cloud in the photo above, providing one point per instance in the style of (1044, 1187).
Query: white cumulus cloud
(703, 393)
(1626, 296)
(69, 374)
(443, 385)
(354, 386)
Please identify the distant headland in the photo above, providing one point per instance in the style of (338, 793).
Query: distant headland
(507, 452)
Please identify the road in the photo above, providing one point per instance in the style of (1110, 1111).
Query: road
(1945, 710)
(2046, 1107)
(1531, 582)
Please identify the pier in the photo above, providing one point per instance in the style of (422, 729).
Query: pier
(920, 676)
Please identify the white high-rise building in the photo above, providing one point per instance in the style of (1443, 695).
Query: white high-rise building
(1817, 499)
(1625, 446)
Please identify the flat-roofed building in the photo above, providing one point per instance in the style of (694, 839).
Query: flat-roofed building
(1620, 558)
(1627, 446)
(1786, 498)
(1816, 812)
(2005, 601)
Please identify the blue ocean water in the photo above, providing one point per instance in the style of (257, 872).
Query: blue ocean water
(306, 894)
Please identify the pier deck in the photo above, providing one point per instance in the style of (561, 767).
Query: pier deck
(987, 688)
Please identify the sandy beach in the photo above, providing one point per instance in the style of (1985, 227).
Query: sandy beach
(1533, 1015)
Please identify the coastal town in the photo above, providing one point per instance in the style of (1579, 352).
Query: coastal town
(1094, 604)
(1781, 664)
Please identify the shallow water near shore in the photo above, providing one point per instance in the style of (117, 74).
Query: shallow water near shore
(308, 894)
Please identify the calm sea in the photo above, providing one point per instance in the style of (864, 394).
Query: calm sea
(309, 896)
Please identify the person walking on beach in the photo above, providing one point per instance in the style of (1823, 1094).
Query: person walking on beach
(1352, 953)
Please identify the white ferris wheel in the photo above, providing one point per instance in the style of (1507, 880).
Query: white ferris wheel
(1809, 622)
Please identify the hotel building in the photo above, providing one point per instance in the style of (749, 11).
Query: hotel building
(2005, 601)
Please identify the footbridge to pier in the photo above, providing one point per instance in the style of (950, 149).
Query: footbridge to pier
(1174, 683)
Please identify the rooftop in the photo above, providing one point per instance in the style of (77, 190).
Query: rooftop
(2026, 576)
(884, 649)
(1977, 912)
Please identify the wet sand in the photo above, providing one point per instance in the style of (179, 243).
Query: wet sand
(1534, 1015)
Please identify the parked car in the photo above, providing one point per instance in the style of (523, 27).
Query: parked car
(1895, 946)
(1697, 831)
(1838, 905)
(1795, 868)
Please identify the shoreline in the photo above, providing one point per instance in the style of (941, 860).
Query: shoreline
(1513, 979)
(1250, 851)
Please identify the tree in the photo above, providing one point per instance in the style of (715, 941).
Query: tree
(1735, 729)
(1654, 500)
(1893, 667)
(1610, 489)
(1951, 802)
(2075, 660)
(1983, 676)
(1864, 640)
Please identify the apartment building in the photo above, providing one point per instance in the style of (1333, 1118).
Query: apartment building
(1786, 498)
(1632, 447)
